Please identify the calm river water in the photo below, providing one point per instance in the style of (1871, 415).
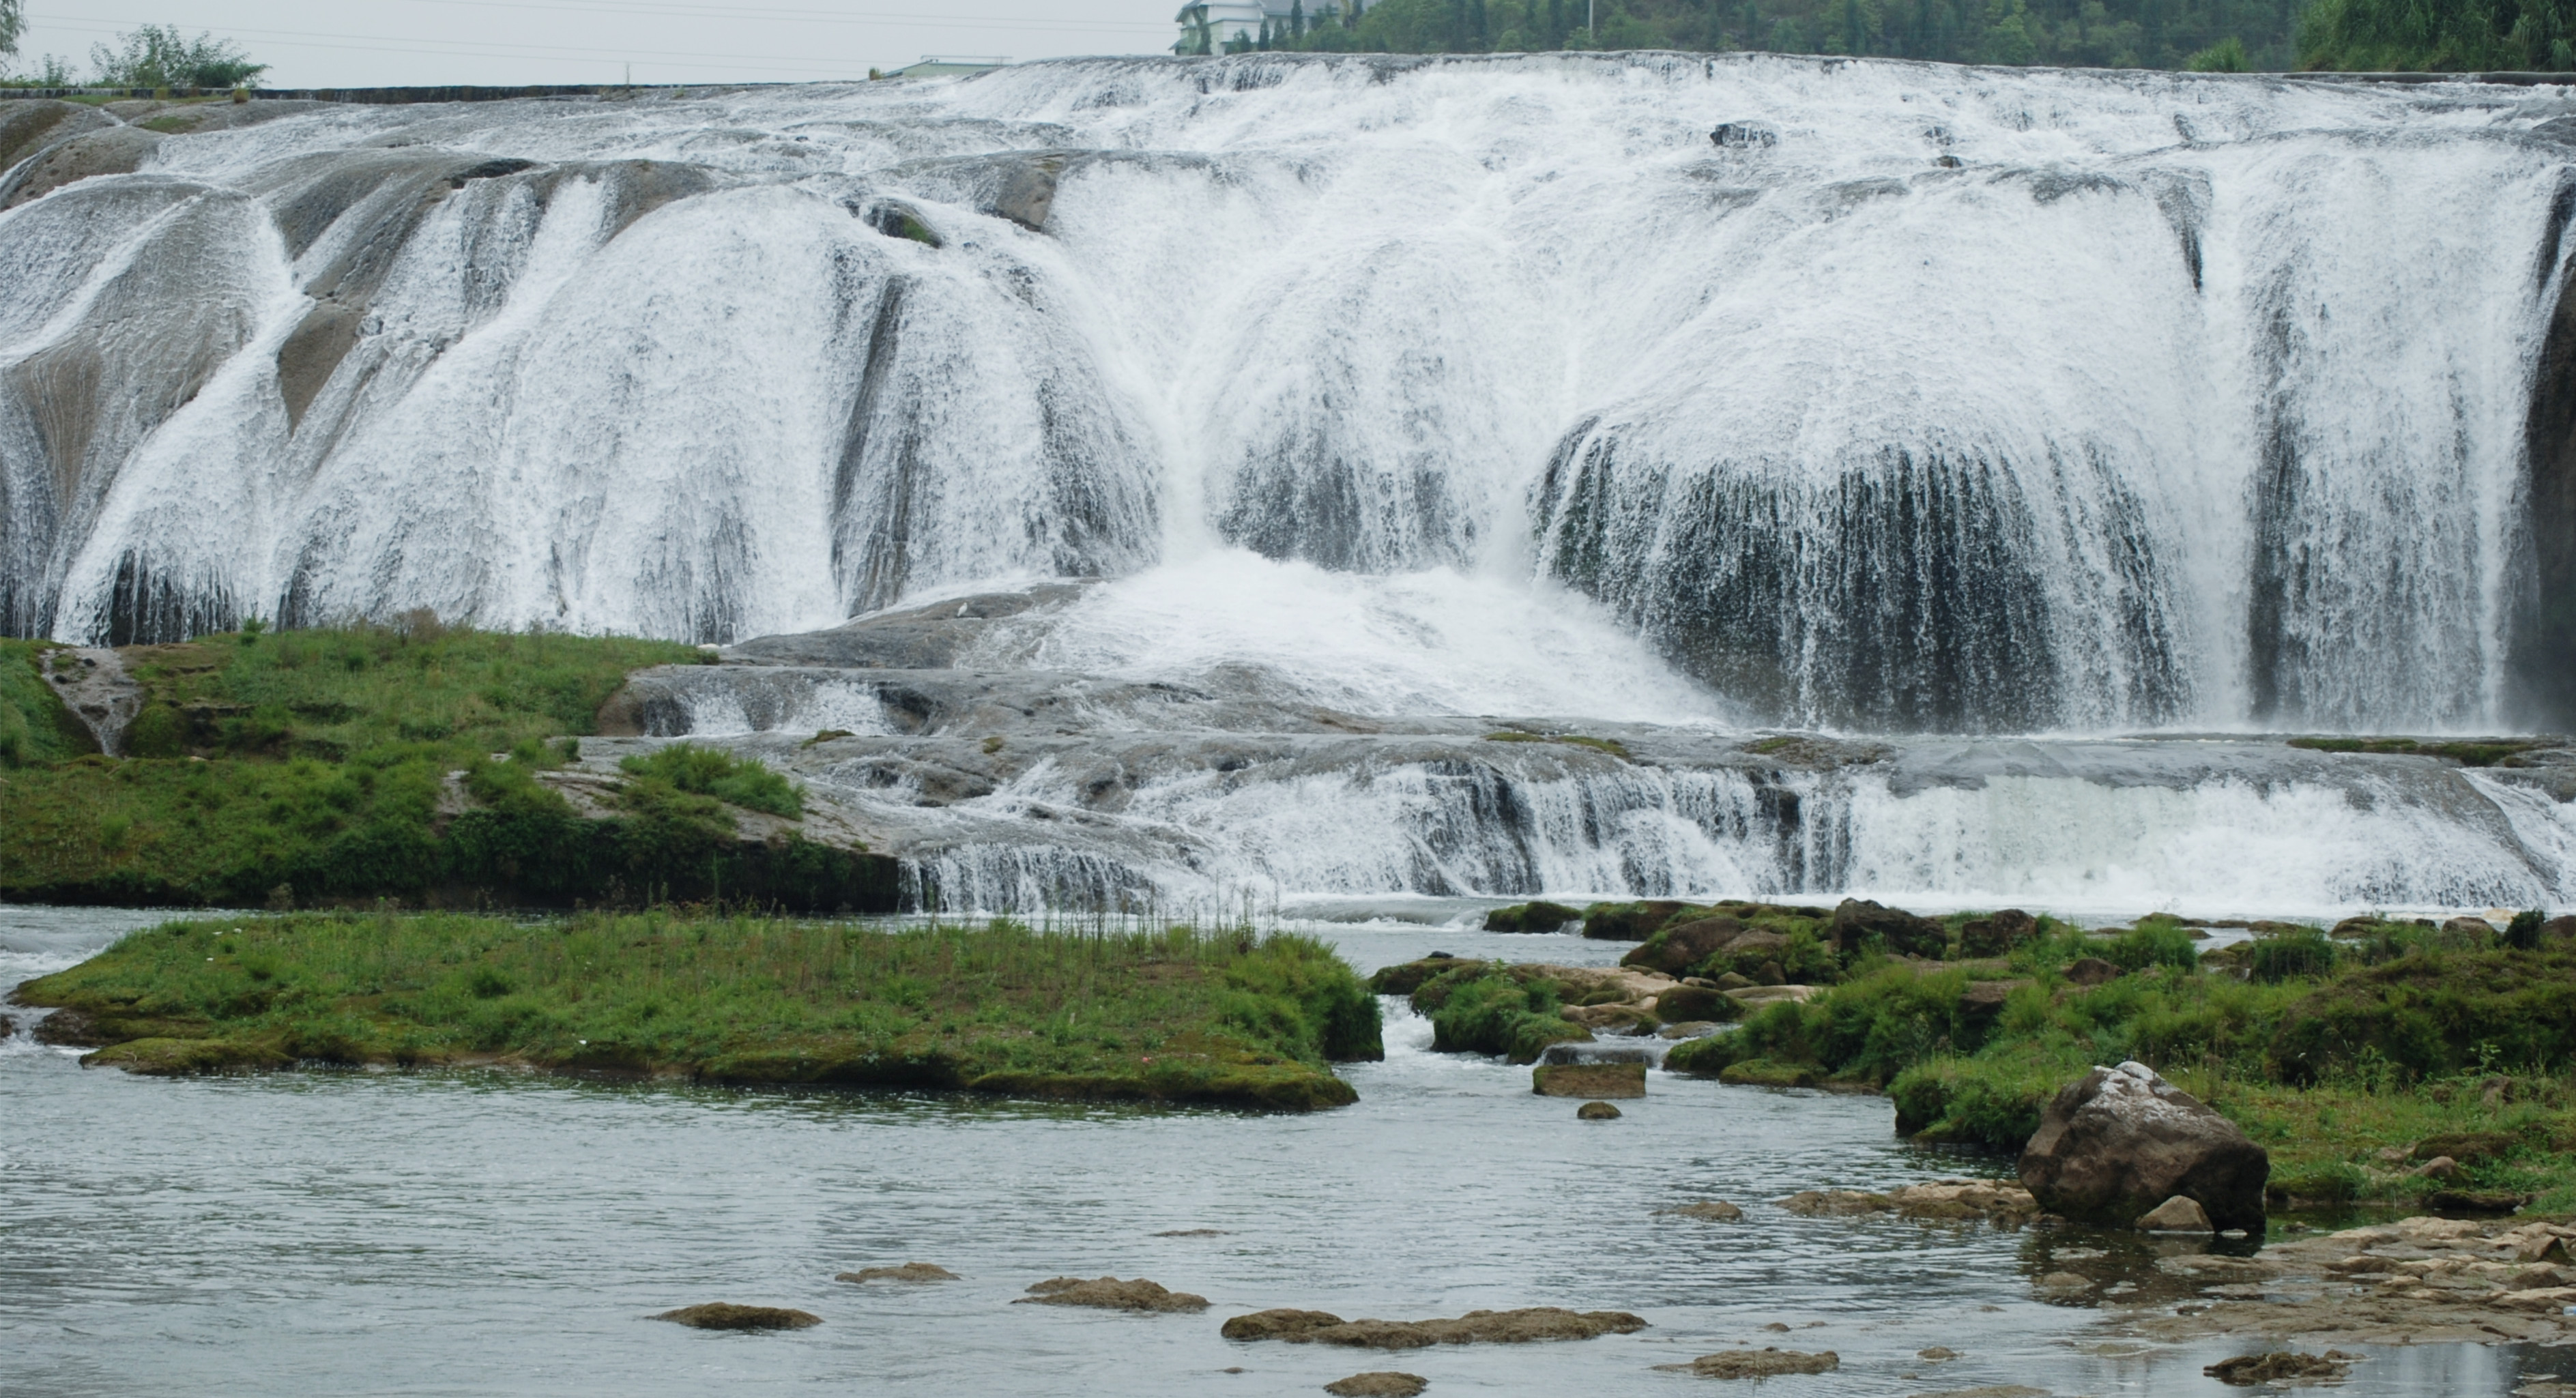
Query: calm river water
(490, 1233)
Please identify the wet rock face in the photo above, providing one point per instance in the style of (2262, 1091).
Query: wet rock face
(1596, 1111)
(119, 150)
(2115, 1145)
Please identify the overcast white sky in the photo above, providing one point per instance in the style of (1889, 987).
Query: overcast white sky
(389, 43)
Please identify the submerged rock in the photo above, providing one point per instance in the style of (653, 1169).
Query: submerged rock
(1596, 1111)
(1757, 1364)
(724, 1315)
(1710, 1211)
(1379, 1383)
(908, 1272)
(1523, 1326)
(2116, 1144)
(2245, 1371)
(1111, 1294)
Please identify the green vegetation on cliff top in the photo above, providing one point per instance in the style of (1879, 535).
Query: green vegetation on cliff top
(311, 766)
(1181, 1015)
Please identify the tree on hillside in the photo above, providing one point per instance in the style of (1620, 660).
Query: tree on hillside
(160, 56)
(2439, 35)
(2081, 33)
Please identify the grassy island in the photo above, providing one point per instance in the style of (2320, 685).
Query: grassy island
(323, 767)
(1182, 1015)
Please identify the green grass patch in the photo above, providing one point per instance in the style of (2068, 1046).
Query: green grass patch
(35, 728)
(1178, 1015)
(707, 772)
(310, 767)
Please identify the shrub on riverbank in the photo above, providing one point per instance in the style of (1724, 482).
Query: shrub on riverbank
(1181, 1015)
(2398, 1036)
(1485, 1007)
(311, 766)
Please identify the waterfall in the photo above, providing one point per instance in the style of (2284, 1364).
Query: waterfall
(1856, 396)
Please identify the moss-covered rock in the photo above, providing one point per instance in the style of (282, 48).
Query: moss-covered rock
(1532, 917)
(1705, 1003)
(1631, 922)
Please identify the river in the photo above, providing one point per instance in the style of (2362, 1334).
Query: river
(490, 1232)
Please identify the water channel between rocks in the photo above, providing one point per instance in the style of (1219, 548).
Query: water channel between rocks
(480, 1233)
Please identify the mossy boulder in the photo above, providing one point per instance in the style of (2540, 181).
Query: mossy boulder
(1858, 922)
(1764, 1072)
(1532, 917)
(1631, 922)
(1997, 933)
(1405, 978)
(1678, 948)
(1595, 1080)
(1707, 1003)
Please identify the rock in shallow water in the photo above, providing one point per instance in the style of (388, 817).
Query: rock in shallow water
(1757, 1364)
(908, 1272)
(1111, 1294)
(1523, 1326)
(2247, 1370)
(724, 1315)
(2116, 1144)
(1596, 1111)
(1589, 1080)
(1710, 1211)
(1381, 1383)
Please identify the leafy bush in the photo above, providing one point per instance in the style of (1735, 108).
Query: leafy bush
(158, 56)
(2292, 954)
(1480, 1008)
(2153, 942)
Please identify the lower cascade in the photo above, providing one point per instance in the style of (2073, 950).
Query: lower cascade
(1361, 476)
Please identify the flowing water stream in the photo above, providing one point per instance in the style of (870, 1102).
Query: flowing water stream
(475, 1233)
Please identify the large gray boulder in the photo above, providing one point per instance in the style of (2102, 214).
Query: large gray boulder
(2116, 1145)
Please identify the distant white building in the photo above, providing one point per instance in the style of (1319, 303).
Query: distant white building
(1208, 26)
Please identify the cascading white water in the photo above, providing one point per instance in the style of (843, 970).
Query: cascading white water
(1870, 396)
